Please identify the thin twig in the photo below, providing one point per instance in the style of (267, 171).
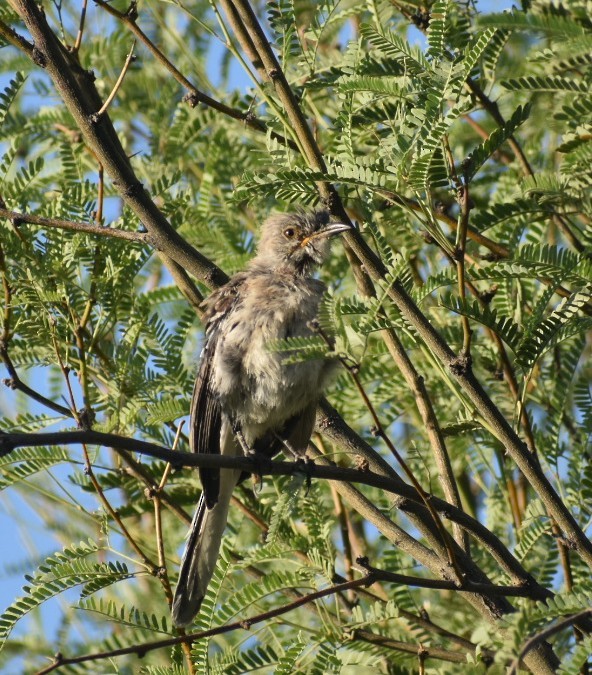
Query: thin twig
(517, 494)
(14, 381)
(460, 252)
(244, 624)
(462, 197)
(7, 310)
(134, 468)
(60, 223)
(430, 652)
(499, 250)
(149, 564)
(82, 422)
(103, 109)
(442, 584)
(432, 428)
(79, 333)
(194, 95)
(100, 195)
(16, 40)
(262, 56)
(156, 495)
(422, 654)
(156, 498)
(493, 109)
(153, 569)
(11, 441)
(503, 156)
(342, 519)
(78, 42)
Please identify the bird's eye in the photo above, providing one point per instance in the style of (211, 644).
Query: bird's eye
(289, 233)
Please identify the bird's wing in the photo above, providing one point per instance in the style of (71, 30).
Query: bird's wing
(206, 424)
(206, 412)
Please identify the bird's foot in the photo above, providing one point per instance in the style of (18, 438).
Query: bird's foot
(305, 465)
(261, 464)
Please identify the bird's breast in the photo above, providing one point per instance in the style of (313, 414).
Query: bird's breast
(255, 383)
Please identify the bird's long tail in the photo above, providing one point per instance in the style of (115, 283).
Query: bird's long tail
(201, 552)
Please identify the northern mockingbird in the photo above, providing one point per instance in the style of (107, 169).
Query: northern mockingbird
(245, 397)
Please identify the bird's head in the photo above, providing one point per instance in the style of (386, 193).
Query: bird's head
(298, 241)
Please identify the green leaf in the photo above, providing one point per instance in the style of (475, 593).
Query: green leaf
(541, 335)
(9, 93)
(545, 83)
(391, 44)
(298, 349)
(28, 462)
(483, 152)
(61, 571)
(286, 665)
(125, 615)
(551, 24)
(503, 326)
(436, 32)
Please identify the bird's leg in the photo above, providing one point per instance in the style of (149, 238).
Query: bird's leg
(238, 434)
(288, 446)
(250, 452)
(299, 457)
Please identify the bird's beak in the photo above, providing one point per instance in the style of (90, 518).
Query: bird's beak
(334, 228)
(328, 231)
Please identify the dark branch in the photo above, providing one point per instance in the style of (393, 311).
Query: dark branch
(15, 382)
(76, 87)
(251, 465)
(60, 223)
(444, 585)
(428, 652)
(244, 624)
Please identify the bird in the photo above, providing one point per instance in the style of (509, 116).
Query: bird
(246, 398)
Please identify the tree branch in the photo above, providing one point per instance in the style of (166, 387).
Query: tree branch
(79, 93)
(443, 584)
(194, 96)
(428, 651)
(547, 633)
(254, 465)
(16, 40)
(432, 427)
(244, 624)
(376, 270)
(492, 416)
(15, 382)
(17, 218)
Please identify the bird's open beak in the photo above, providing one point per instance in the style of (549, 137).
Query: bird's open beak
(328, 231)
